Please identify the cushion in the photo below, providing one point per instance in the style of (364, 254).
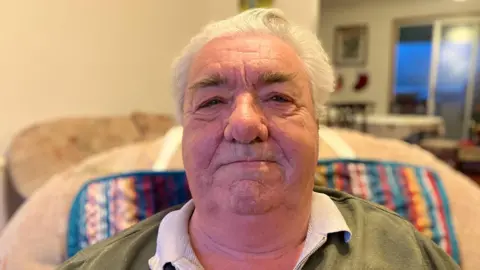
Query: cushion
(151, 126)
(35, 239)
(416, 193)
(463, 193)
(43, 150)
(109, 205)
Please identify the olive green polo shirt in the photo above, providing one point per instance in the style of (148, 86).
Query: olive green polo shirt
(380, 239)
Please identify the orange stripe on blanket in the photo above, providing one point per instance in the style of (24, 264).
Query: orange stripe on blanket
(420, 217)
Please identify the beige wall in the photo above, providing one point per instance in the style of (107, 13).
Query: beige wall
(379, 16)
(64, 57)
(303, 12)
(61, 58)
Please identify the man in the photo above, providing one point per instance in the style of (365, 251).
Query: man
(250, 91)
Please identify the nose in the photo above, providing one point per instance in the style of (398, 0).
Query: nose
(246, 123)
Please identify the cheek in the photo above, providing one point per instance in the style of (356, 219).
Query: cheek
(200, 140)
(298, 138)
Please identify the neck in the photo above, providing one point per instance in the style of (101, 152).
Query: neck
(270, 235)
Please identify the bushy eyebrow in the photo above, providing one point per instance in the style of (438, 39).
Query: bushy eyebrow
(271, 77)
(212, 80)
(265, 78)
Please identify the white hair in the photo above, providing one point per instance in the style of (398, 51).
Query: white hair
(260, 20)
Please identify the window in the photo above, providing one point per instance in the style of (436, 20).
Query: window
(413, 57)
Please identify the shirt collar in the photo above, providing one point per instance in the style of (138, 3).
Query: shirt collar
(326, 218)
(173, 242)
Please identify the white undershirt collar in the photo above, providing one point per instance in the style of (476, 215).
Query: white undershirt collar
(173, 242)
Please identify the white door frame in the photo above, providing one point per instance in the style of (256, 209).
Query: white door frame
(436, 43)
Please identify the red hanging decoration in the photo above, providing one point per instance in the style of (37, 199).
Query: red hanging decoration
(362, 82)
(339, 83)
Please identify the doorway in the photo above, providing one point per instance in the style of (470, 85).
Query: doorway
(438, 64)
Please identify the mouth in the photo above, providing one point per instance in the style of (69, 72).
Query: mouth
(248, 162)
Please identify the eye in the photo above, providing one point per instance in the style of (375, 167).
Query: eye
(280, 99)
(210, 103)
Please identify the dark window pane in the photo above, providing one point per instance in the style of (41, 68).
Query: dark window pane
(421, 33)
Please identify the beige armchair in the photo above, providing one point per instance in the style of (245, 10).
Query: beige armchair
(36, 236)
(45, 149)
(3, 191)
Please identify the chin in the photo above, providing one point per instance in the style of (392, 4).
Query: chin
(249, 206)
(250, 198)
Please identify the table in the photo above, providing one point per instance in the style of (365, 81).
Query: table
(412, 128)
(351, 115)
(469, 161)
(444, 149)
(465, 159)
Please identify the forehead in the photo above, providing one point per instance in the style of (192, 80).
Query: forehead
(245, 53)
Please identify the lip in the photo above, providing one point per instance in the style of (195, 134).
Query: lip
(248, 162)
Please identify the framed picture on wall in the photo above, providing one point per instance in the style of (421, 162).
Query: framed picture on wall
(350, 46)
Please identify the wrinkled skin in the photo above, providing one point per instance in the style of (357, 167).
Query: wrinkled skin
(249, 146)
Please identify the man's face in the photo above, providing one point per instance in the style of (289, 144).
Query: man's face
(250, 140)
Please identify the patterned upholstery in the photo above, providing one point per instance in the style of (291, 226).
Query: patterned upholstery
(106, 206)
(415, 193)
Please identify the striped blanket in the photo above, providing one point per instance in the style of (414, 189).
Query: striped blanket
(106, 206)
(415, 193)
